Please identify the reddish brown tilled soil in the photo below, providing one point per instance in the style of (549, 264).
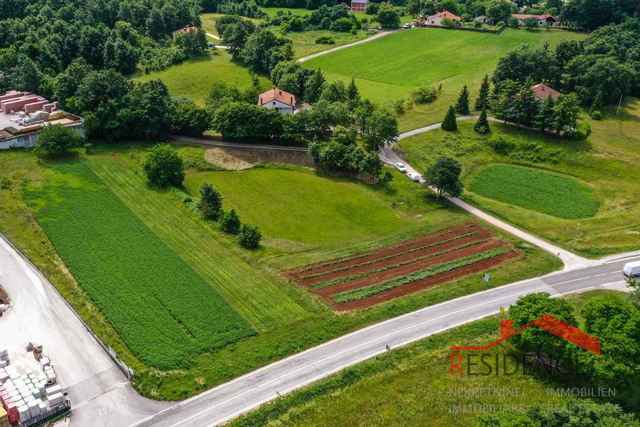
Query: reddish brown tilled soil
(449, 233)
(424, 284)
(401, 257)
(392, 273)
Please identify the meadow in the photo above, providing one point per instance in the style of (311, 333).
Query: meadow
(606, 162)
(194, 77)
(390, 67)
(165, 312)
(535, 189)
(280, 317)
(392, 389)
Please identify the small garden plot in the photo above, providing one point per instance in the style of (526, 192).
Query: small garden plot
(365, 279)
(537, 190)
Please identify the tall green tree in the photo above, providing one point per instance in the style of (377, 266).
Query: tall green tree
(462, 105)
(566, 113)
(56, 141)
(444, 176)
(230, 222)
(450, 123)
(388, 15)
(482, 125)
(544, 119)
(314, 86)
(483, 100)
(526, 107)
(210, 202)
(163, 166)
(381, 129)
(156, 28)
(353, 94)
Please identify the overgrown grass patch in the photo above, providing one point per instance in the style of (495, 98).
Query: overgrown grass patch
(535, 189)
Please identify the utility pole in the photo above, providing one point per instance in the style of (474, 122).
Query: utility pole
(619, 104)
(573, 247)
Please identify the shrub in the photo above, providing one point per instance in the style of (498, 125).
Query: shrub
(477, 24)
(596, 115)
(482, 125)
(325, 40)
(56, 140)
(210, 202)
(399, 106)
(230, 222)
(424, 95)
(450, 124)
(249, 237)
(501, 145)
(164, 167)
(581, 132)
(386, 177)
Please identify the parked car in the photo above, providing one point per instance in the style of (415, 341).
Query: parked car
(401, 167)
(415, 177)
(632, 269)
(407, 26)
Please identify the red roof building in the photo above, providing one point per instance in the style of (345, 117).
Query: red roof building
(440, 16)
(184, 30)
(542, 91)
(546, 19)
(278, 99)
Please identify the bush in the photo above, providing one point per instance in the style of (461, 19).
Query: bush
(501, 145)
(249, 237)
(596, 115)
(230, 222)
(450, 124)
(164, 167)
(399, 106)
(424, 95)
(210, 202)
(56, 140)
(581, 132)
(325, 40)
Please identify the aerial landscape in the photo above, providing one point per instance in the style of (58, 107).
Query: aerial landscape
(319, 213)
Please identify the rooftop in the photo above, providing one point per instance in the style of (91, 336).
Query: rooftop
(542, 91)
(276, 94)
(447, 14)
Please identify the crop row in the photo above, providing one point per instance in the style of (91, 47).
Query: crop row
(349, 267)
(368, 253)
(339, 280)
(164, 311)
(362, 293)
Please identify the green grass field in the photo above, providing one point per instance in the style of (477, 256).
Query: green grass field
(164, 311)
(304, 43)
(535, 189)
(411, 384)
(607, 162)
(209, 22)
(273, 11)
(388, 68)
(194, 77)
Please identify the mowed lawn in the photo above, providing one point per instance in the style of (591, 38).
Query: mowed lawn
(194, 77)
(534, 189)
(165, 312)
(388, 68)
(604, 167)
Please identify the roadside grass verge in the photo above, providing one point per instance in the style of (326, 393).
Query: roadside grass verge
(409, 385)
(607, 162)
(165, 312)
(537, 190)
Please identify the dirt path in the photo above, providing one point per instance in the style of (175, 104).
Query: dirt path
(367, 40)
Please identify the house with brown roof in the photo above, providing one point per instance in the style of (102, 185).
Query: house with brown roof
(184, 30)
(543, 20)
(279, 100)
(359, 5)
(542, 92)
(441, 16)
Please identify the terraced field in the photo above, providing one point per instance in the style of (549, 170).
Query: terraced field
(368, 278)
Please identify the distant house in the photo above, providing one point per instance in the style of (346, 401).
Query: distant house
(484, 19)
(542, 91)
(440, 16)
(359, 5)
(279, 100)
(184, 30)
(543, 20)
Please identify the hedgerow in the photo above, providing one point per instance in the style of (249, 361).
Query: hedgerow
(163, 310)
(362, 293)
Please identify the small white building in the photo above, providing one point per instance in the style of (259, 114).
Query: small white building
(543, 20)
(441, 16)
(279, 100)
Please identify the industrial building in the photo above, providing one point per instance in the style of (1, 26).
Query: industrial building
(23, 114)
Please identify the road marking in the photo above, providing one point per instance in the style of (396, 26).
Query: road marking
(569, 281)
(622, 259)
(600, 275)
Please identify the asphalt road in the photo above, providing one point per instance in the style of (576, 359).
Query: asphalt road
(245, 393)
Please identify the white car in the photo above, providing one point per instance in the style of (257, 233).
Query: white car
(632, 269)
(401, 167)
(415, 177)
(407, 26)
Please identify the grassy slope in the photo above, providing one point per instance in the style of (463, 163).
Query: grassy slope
(168, 218)
(194, 77)
(304, 43)
(406, 386)
(607, 161)
(390, 67)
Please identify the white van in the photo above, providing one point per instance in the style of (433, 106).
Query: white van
(632, 269)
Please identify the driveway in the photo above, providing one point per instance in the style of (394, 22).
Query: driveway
(334, 49)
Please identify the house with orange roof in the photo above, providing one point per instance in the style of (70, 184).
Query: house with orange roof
(543, 20)
(279, 100)
(184, 30)
(542, 92)
(441, 16)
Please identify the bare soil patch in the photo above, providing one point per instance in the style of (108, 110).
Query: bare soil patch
(430, 252)
(241, 158)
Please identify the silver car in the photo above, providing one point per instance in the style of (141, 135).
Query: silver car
(401, 167)
(415, 177)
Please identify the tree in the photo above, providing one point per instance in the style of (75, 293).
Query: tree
(388, 16)
(155, 25)
(263, 50)
(371, 165)
(531, 23)
(381, 129)
(544, 119)
(164, 167)
(345, 135)
(353, 94)
(531, 307)
(314, 85)
(450, 123)
(499, 10)
(462, 106)
(634, 295)
(483, 100)
(67, 82)
(210, 202)
(149, 113)
(482, 125)
(230, 222)
(566, 113)
(525, 107)
(56, 141)
(19, 72)
(98, 87)
(334, 92)
(444, 176)
(190, 120)
(249, 237)
(193, 42)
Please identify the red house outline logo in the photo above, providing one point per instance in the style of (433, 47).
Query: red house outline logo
(549, 323)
